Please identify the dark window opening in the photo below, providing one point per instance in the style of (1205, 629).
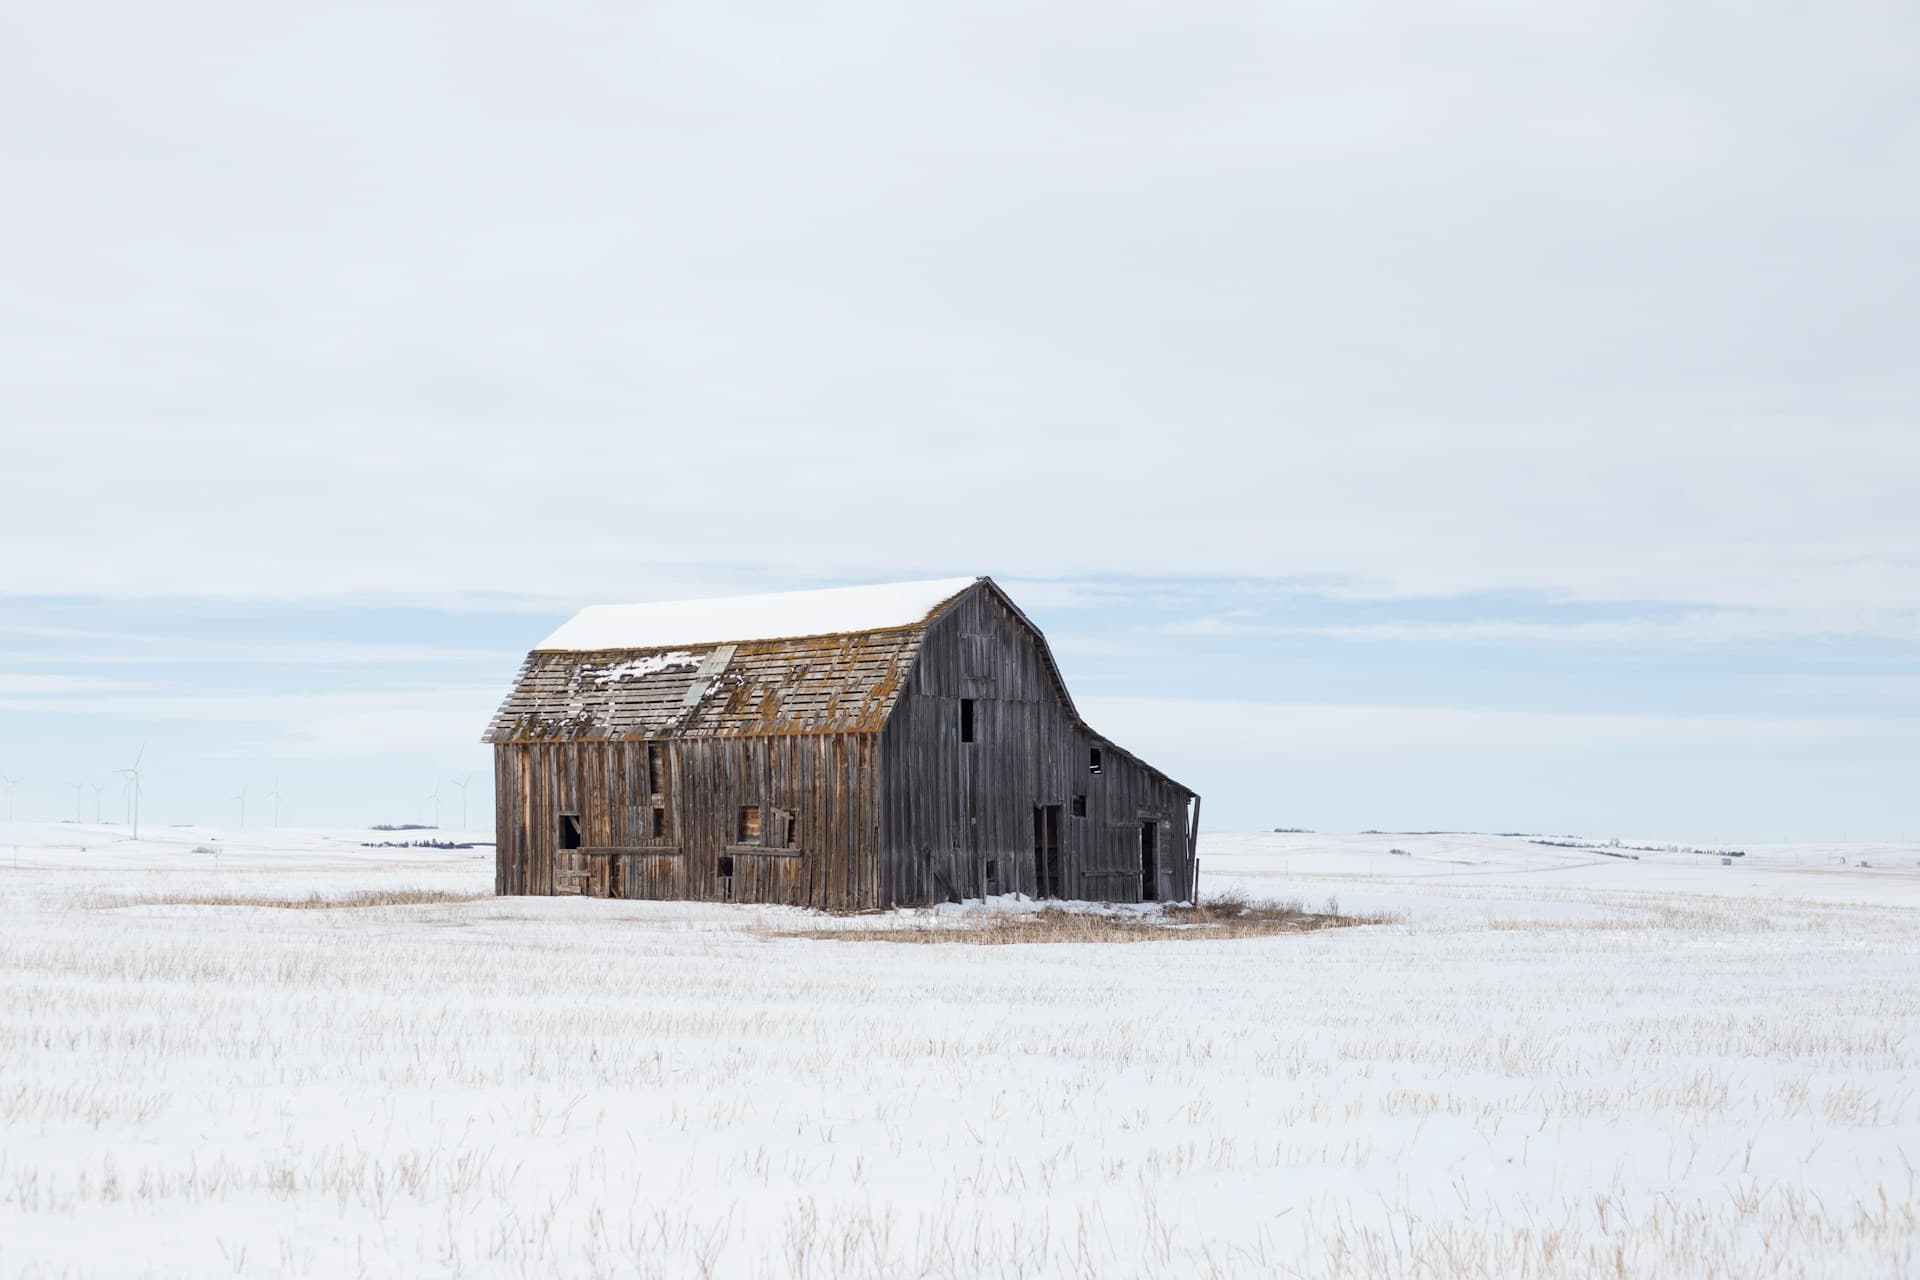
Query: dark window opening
(749, 828)
(1080, 805)
(1149, 861)
(659, 823)
(656, 769)
(569, 831)
(1093, 760)
(966, 719)
(724, 867)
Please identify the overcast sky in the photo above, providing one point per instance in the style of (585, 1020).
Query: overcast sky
(1493, 415)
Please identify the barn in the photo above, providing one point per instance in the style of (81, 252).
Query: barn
(850, 748)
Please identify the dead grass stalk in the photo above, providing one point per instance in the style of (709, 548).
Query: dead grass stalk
(311, 902)
(1229, 915)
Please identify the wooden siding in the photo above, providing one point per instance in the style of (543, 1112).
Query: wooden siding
(950, 810)
(826, 781)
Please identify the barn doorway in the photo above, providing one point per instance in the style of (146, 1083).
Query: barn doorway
(1046, 851)
(570, 873)
(1149, 862)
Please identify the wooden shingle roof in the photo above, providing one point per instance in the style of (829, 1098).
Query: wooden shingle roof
(830, 684)
(845, 682)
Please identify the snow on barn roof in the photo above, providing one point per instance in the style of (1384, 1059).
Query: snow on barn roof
(781, 615)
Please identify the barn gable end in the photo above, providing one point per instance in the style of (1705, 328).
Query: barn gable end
(989, 783)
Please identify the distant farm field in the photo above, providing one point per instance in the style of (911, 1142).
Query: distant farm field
(323, 1059)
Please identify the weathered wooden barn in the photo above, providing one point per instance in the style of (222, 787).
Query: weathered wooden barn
(849, 748)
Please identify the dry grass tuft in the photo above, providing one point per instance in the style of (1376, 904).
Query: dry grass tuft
(1230, 915)
(312, 902)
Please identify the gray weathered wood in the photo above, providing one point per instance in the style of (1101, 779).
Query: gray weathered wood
(854, 744)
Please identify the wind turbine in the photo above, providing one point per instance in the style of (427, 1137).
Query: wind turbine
(11, 783)
(434, 796)
(462, 784)
(79, 789)
(242, 798)
(134, 775)
(274, 795)
(98, 787)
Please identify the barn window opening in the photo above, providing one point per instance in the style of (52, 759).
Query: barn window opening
(569, 831)
(724, 867)
(659, 823)
(1080, 805)
(966, 719)
(655, 769)
(1093, 760)
(784, 830)
(748, 830)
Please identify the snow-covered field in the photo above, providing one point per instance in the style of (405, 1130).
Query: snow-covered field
(1558, 1063)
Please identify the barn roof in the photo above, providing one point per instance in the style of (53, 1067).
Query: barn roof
(795, 662)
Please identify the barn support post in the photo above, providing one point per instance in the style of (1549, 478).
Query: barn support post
(1193, 853)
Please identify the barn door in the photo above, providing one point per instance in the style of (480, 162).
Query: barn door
(1149, 861)
(570, 873)
(603, 870)
(973, 875)
(1046, 850)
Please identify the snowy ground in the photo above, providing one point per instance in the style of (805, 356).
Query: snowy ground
(1559, 1063)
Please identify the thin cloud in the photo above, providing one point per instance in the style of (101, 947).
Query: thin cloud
(192, 651)
(1697, 630)
(1284, 729)
(14, 684)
